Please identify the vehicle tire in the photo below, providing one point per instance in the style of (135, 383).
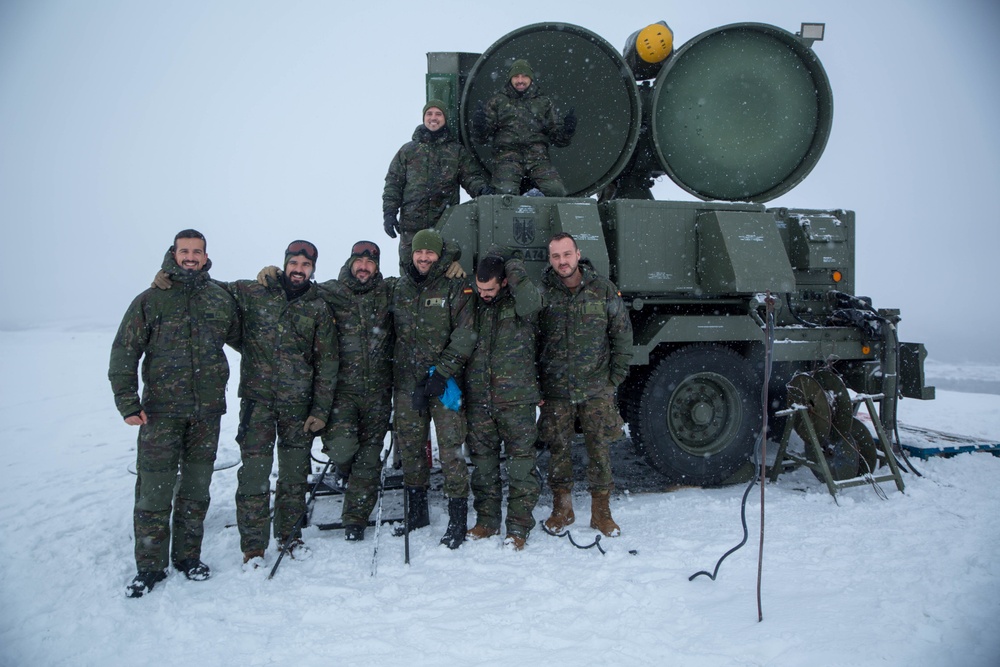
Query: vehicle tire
(699, 414)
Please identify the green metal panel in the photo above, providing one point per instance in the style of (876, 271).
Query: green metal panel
(444, 87)
(818, 242)
(741, 252)
(692, 328)
(741, 113)
(654, 243)
(577, 69)
(580, 218)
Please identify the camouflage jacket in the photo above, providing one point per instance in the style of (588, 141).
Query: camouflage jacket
(289, 347)
(179, 334)
(424, 176)
(502, 370)
(516, 120)
(585, 337)
(433, 319)
(364, 330)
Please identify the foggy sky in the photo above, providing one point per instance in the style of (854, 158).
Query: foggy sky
(122, 122)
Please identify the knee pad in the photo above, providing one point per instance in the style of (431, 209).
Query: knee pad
(341, 450)
(156, 491)
(293, 463)
(253, 476)
(195, 481)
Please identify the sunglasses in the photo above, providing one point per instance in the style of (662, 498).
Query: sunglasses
(362, 248)
(303, 248)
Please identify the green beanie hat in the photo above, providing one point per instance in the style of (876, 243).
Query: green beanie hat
(521, 67)
(428, 239)
(436, 104)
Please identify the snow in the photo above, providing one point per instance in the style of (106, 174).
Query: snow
(907, 580)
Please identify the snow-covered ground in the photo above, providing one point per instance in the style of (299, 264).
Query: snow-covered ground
(908, 580)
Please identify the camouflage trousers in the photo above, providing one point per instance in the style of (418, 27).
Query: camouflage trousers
(602, 425)
(514, 426)
(412, 430)
(510, 166)
(259, 424)
(174, 471)
(353, 440)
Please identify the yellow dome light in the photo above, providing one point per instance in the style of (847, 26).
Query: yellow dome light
(654, 43)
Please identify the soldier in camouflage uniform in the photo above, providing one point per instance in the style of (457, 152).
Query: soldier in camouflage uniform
(353, 440)
(433, 320)
(179, 335)
(521, 122)
(585, 348)
(423, 179)
(288, 376)
(501, 390)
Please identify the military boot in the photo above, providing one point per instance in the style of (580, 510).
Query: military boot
(600, 514)
(481, 532)
(562, 510)
(417, 499)
(458, 510)
(417, 513)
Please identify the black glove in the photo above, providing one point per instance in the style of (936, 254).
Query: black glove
(419, 400)
(486, 190)
(479, 123)
(436, 384)
(569, 122)
(390, 225)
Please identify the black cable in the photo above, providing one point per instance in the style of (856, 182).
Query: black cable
(565, 533)
(746, 534)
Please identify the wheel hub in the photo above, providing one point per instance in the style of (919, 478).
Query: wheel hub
(703, 413)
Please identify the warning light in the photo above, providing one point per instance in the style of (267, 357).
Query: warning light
(866, 349)
(837, 276)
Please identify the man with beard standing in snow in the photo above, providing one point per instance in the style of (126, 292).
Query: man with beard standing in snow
(288, 376)
(434, 337)
(520, 122)
(360, 300)
(501, 388)
(585, 348)
(423, 179)
(180, 334)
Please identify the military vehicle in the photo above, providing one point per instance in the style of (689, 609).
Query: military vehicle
(736, 116)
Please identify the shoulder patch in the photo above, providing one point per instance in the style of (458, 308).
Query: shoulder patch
(466, 290)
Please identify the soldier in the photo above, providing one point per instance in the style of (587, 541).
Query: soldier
(585, 347)
(423, 179)
(288, 376)
(520, 122)
(360, 300)
(180, 334)
(434, 337)
(501, 389)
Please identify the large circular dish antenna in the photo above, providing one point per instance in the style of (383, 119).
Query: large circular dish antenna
(741, 113)
(576, 69)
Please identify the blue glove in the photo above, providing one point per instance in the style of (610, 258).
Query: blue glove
(446, 390)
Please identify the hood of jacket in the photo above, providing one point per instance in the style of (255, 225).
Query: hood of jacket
(182, 275)
(355, 285)
(425, 136)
